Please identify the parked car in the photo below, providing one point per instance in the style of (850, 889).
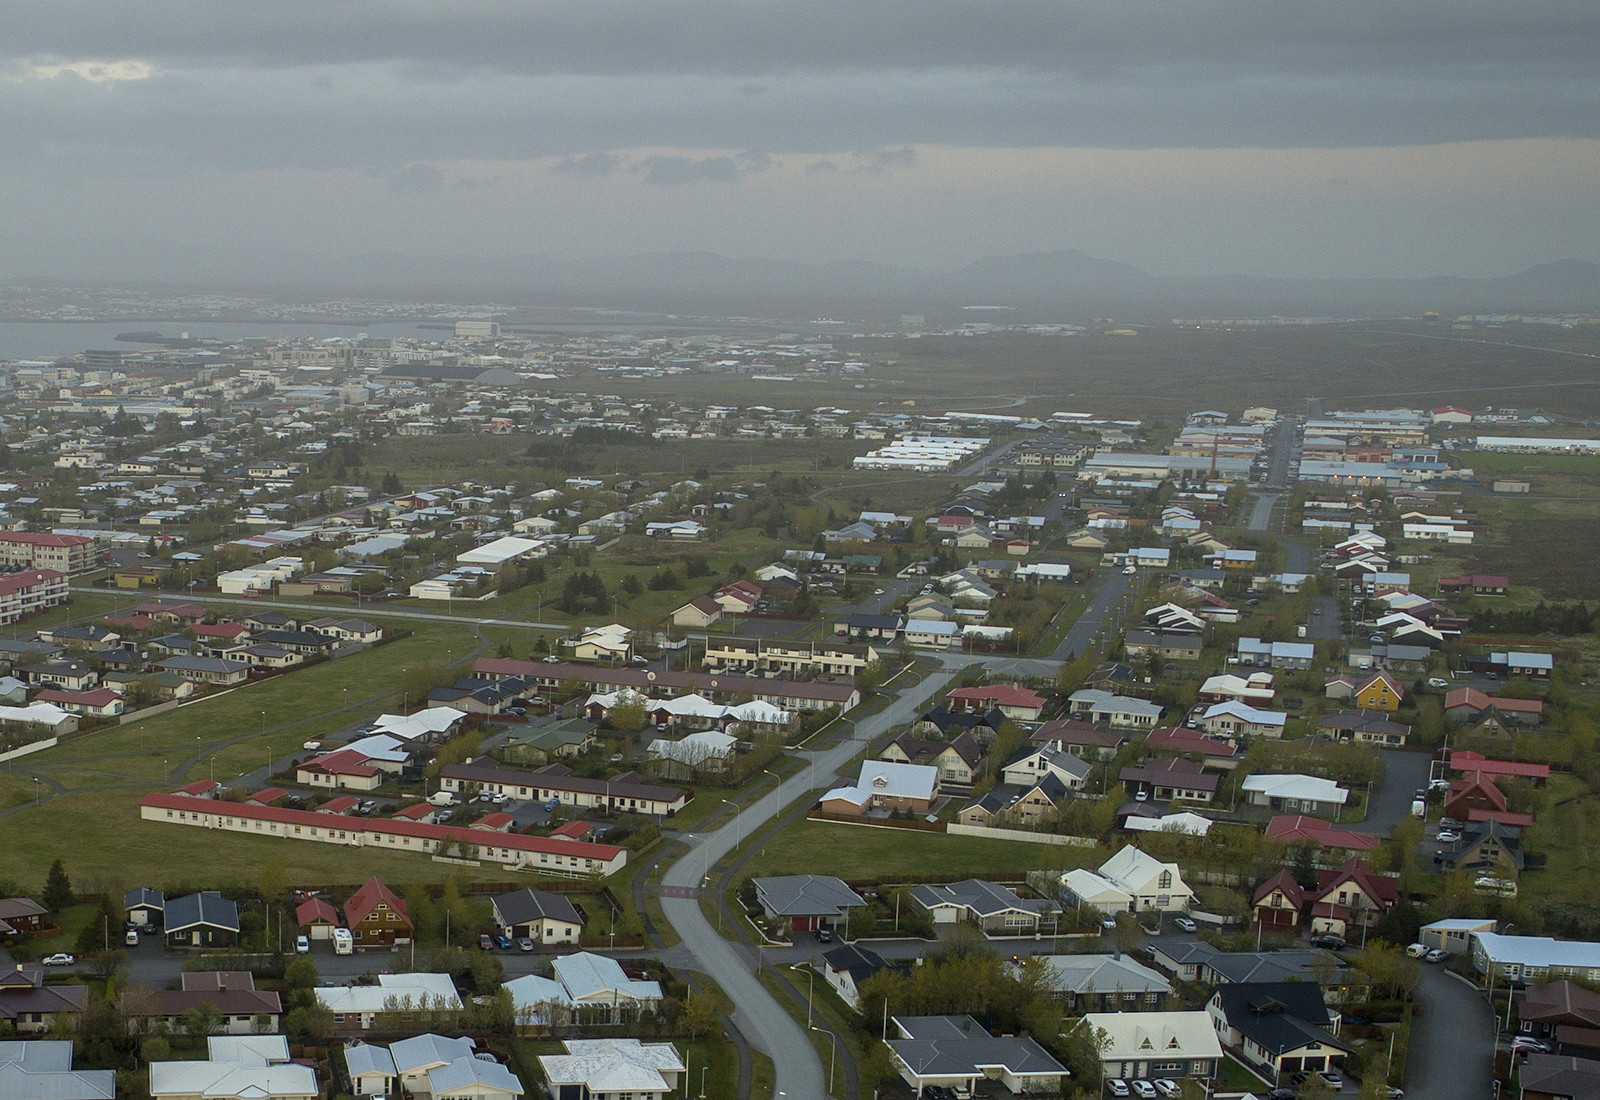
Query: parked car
(1448, 836)
(1166, 1087)
(1451, 823)
(1281, 1094)
(552, 660)
(1184, 924)
(1143, 1089)
(313, 745)
(485, 943)
(1108, 923)
(552, 804)
(1438, 682)
(1129, 570)
(1437, 955)
(1329, 942)
(1117, 1087)
(1331, 1078)
(524, 944)
(302, 945)
(1417, 950)
(1528, 1044)
(503, 942)
(61, 958)
(131, 938)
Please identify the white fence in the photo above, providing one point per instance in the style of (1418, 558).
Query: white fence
(1022, 834)
(37, 746)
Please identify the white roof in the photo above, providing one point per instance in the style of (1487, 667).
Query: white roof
(1246, 713)
(1306, 787)
(532, 989)
(248, 1050)
(609, 1066)
(473, 1071)
(1093, 889)
(1132, 869)
(1176, 1036)
(587, 975)
(1185, 822)
(500, 550)
(408, 726)
(223, 1079)
(46, 713)
(892, 780)
(371, 998)
(1539, 951)
(763, 713)
(848, 794)
(364, 1058)
(422, 1051)
(695, 748)
(379, 746)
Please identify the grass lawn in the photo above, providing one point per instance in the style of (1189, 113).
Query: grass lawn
(854, 852)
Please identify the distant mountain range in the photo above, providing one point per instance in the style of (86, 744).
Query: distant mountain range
(1042, 285)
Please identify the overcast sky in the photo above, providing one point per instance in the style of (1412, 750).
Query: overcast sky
(1183, 136)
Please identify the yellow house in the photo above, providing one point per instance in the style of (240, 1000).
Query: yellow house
(1380, 691)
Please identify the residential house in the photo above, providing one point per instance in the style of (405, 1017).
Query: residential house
(1303, 793)
(1359, 727)
(612, 1069)
(371, 1069)
(1349, 896)
(885, 786)
(698, 613)
(601, 991)
(1236, 719)
(1079, 738)
(806, 902)
(1296, 830)
(845, 968)
(956, 760)
(1550, 1008)
(1558, 1077)
(1145, 1045)
(206, 919)
(1534, 958)
(1130, 881)
(241, 1008)
(1489, 848)
(1031, 763)
(1278, 903)
(1216, 752)
(1169, 778)
(43, 1068)
(538, 915)
(255, 1067)
(1017, 703)
(1102, 983)
(19, 915)
(955, 1052)
(994, 908)
(1380, 691)
(33, 1008)
(1467, 705)
(1454, 934)
(377, 917)
(360, 1007)
(1278, 1027)
(218, 671)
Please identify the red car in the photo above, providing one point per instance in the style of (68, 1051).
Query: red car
(485, 943)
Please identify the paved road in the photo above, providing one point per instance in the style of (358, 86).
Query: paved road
(1296, 557)
(1261, 510)
(800, 1073)
(1326, 621)
(1452, 1041)
(1101, 604)
(1403, 774)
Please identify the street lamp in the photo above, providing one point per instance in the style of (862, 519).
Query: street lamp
(36, 790)
(833, 1051)
(738, 827)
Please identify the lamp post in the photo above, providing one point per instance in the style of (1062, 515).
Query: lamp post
(703, 1080)
(738, 827)
(36, 790)
(833, 1051)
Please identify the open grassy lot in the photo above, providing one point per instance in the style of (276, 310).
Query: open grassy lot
(95, 828)
(854, 852)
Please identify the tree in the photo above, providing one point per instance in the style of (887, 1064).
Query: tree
(391, 483)
(301, 977)
(629, 715)
(699, 1015)
(96, 934)
(57, 888)
(273, 880)
(1127, 935)
(106, 964)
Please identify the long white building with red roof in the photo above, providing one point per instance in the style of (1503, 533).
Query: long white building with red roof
(541, 855)
(41, 550)
(31, 591)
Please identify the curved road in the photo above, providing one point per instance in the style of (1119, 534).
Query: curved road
(800, 1073)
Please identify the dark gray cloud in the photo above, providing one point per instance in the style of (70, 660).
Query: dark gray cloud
(416, 178)
(671, 171)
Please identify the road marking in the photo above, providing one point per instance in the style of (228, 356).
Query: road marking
(679, 892)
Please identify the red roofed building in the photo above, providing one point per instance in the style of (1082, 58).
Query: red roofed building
(340, 769)
(497, 822)
(39, 550)
(99, 703)
(1315, 831)
(131, 624)
(515, 851)
(738, 597)
(266, 796)
(1278, 903)
(1017, 703)
(1350, 896)
(1183, 741)
(163, 612)
(1079, 738)
(316, 918)
(1479, 584)
(421, 811)
(23, 594)
(1475, 792)
(1509, 818)
(1465, 763)
(1466, 704)
(226, 631)
(341, 805)
(376, 917)
(573, 830)
(200, 788)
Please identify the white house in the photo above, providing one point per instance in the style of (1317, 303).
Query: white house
(610, 1069)
(1238, 719)
(1305, 794)
(1145, 1045)
(1151, 883)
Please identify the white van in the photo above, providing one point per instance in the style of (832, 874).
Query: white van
(343, 942)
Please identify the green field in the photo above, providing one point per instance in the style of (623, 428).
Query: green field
(854, 852)
(95, 827)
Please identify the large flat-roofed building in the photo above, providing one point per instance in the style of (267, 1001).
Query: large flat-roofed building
(39, 550)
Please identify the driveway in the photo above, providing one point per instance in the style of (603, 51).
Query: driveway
(1404, 773)
(1325, 623)
(1452, 1041)
(760, 1018)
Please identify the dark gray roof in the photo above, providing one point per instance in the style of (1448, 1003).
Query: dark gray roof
(1277, 1016)
(204, 908)
(806, 895)
(142, 897)
(522, 906)
(948, 1046)
(986, 899)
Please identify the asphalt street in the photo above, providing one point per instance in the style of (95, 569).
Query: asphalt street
(1101, 606)
(1261, 510)
(1452, 1041)
(1403, 774)
(762, 1020)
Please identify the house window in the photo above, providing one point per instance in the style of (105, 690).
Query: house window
(1165, 881)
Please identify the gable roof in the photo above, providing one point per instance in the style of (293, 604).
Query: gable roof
(522, 906)
(1285, 882)
(370, 895)
(203, 908)
(1277, 1016)
(806, 895)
